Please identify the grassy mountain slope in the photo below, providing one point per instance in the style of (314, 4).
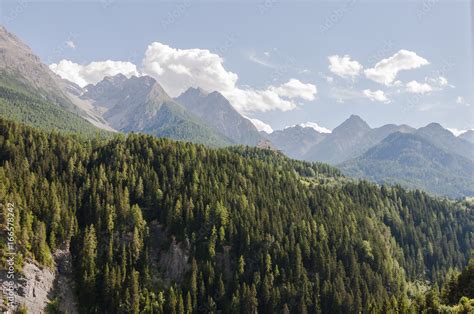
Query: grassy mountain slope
(415, 162)
(19, 106)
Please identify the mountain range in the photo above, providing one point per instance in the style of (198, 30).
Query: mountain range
(430, 158)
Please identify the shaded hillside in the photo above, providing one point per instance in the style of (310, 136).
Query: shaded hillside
(415, 162)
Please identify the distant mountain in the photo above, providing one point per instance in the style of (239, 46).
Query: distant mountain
(216, 111)
(295, 141)
(32, 94)
(444, 139)
(429, 158)
(140, 104)
(350, 139)
(468, 136)
(415, 162)
(344, 141)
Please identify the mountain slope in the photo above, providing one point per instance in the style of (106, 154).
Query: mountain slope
(140, 104)
(216, 111)
(415, 162)
(295, 141)
(32, 94)
(468, 136)
(444, 139)
(350, 139)
(157, 226)
(21, 69)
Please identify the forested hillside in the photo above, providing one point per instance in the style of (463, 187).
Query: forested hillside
(17, 105)
(157, 226)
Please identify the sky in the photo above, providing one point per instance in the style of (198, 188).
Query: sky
(279, 62)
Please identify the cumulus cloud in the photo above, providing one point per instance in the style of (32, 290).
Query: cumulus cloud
(261, 126)
(179, 69)
(344, 66)
(312, 125)
(418, 88)
(296, 89)
(385, 71)
(251, 100)
(377, 95)
(93, 72)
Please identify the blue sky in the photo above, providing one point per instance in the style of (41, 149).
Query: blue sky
(275, 48)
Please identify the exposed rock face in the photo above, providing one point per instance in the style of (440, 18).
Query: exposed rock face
(64, 285)
(216, 111)
(169, 262)
(174, 262)
(140, 104)
(35, 287)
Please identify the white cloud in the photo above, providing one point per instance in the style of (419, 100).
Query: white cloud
(418, 88)
(272, 98)
(261, 126)
(438, 83)
(461, 101)
(386, 70)
(93, 72)
(344, 66)
(314, 126)
(377, 95)
(71, 44)
(442, 81)
(179, 69)
(296, 89)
